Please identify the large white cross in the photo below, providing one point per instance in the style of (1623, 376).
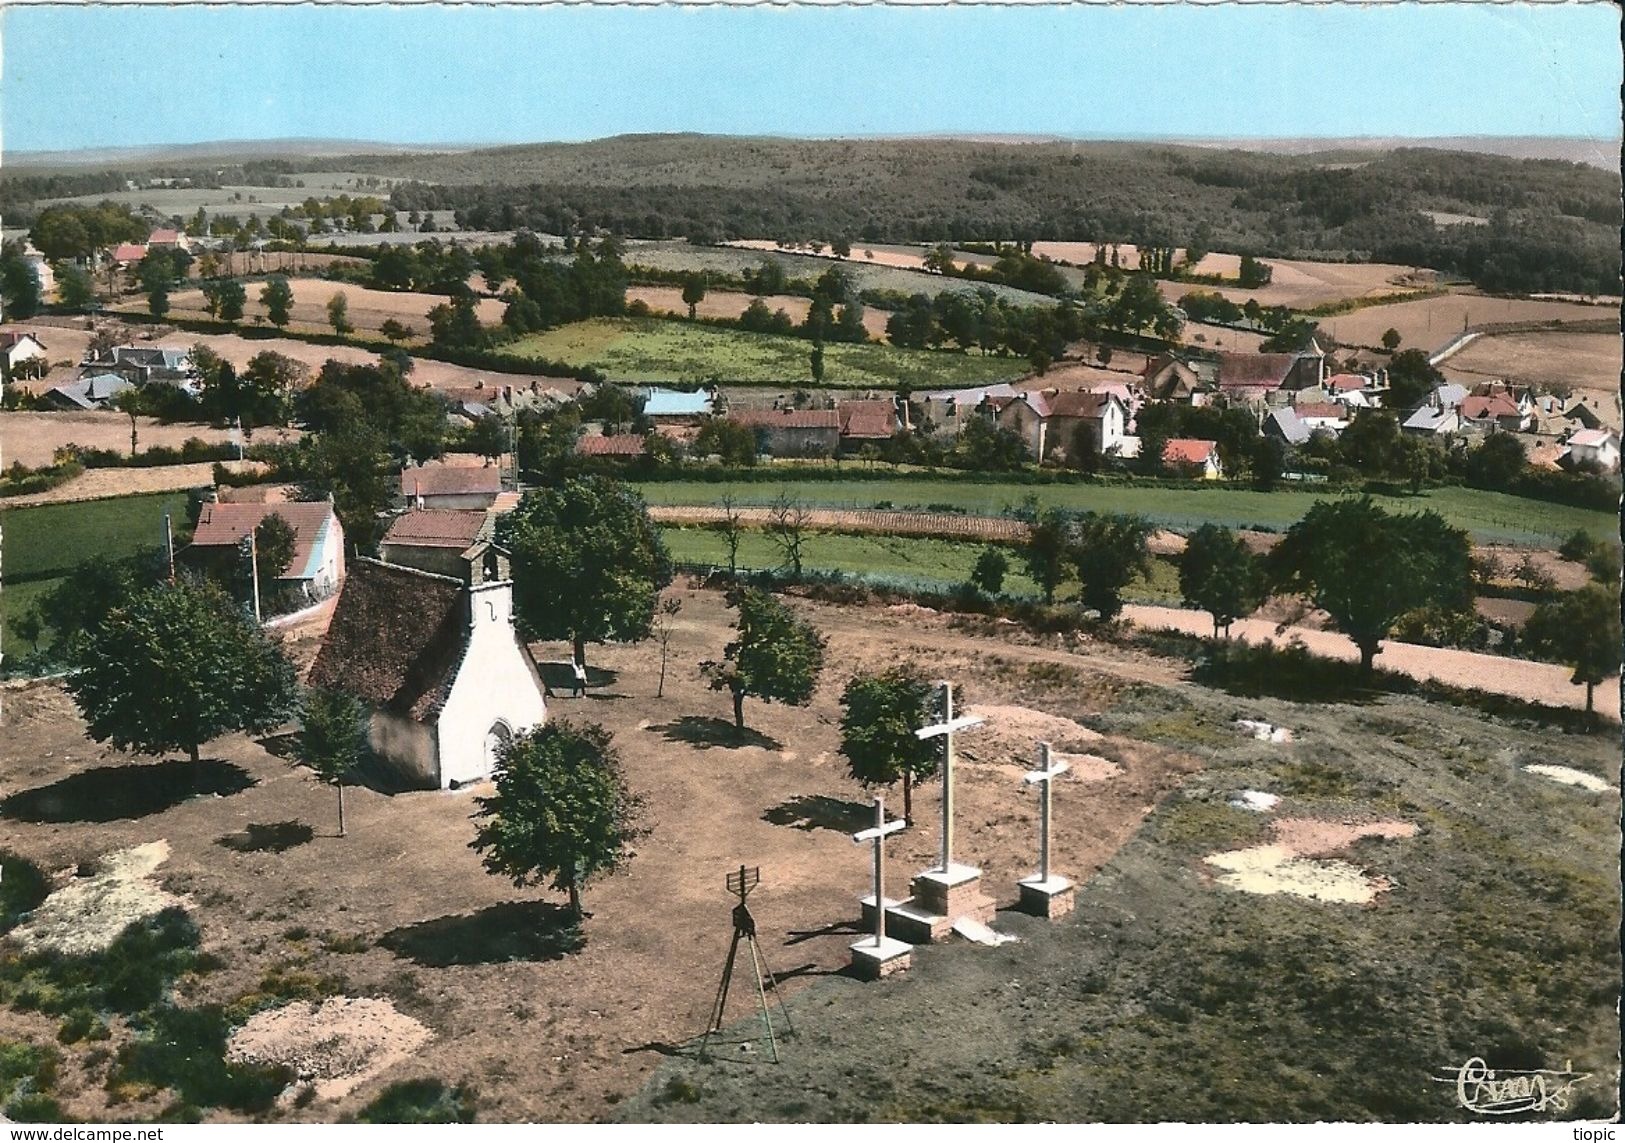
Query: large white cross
(946, 728)
(877, 834)
(1044, 778)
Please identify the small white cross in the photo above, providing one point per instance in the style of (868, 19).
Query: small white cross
(878, 834)
(1044, 777)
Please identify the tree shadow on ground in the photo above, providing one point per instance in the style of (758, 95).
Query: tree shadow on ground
(705, 733)
(561, 678)
(268, 837)
(517, 930)
(119, 793)
(283, 746)
(815, 811)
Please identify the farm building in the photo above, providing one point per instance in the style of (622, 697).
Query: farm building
(676, 407)
(1592, 446)
(1495, 413)
(867, 422)
(91, 391)
(1250, 376)
(1428, 421)
(441, 485)
(317, 566)
(145, 363)
(447, 680)
(128, 253)
(1198, 458)
(446, 541)
(793, 432)
(22, 354)
(626, 446)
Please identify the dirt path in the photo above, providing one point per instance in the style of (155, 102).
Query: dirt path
(1518, 678)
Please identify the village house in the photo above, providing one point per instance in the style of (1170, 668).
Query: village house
(91, 391)
(946, 410)
(144, 364)
(1327, 415)
(1176, 379)
(22, 354)
(1199, 459)
(1284, 425)
(441, 485)
(1582, 414)
(1599, 447)
(793, 432)
(317, 567)
(128, 253)
(1495, 413)
(447, 680)
(1049, 421)
(164, 238)
(446, 541)
(1432, 421)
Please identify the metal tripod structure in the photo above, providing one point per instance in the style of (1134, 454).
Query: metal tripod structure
(742, 883)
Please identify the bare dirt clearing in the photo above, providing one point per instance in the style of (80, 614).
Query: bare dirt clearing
(334, 1046)
(545, 1032)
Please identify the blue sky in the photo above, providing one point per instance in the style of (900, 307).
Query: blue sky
(119, 76)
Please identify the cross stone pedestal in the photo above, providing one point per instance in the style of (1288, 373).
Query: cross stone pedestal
(873, 958)
(1048, 897)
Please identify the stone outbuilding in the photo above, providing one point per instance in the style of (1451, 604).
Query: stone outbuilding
(446, 677)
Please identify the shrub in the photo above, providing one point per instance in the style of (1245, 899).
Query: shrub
(421, 1101)
(134, 973)
(22, 887)
(1577, 546)
(185, 1049)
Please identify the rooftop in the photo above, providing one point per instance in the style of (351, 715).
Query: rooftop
(436, 528)
(225, 525)
(440, 479)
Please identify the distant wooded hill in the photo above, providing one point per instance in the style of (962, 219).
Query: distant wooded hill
(1549, 224)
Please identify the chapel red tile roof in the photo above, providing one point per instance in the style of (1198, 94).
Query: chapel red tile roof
(1254, 370)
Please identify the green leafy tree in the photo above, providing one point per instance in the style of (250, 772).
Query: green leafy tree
(1581, 629)
(277, 298)
(1365, 567)
(19, 285)
(816, 360)
(1268, 462)
(175, 667)
(1371, 443)
(350, 463)
(1219, 575)
(95, 587)
(489, 437)
(333, 738)
(1496, 463)
(588, 564)
(1045, 554)
(273, 550)
(562, 812)
(880, 713)
(729, 440)
(1411, 377)
(775, 656)
(693, 293)
(395, 331)
(1390, 339)
(74, 287)
(231, 299)
(1107, 551)
(991, 568)
(338, 314)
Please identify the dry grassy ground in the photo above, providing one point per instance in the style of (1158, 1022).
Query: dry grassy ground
(1588, 363)
(540, 1033)
(731, 303)
(32, 438)
(1431, 323)
(368, 309)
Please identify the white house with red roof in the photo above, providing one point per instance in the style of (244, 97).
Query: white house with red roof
(1591, 446)
(128, 253)
(318, 539)
(1196, 457)
(172, 239)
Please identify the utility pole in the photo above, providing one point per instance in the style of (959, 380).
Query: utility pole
(169, 546)
(254, 571)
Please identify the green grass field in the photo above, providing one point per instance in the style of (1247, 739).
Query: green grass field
(1490, 517)
(912, 562)
(46, 541)
(652, 349)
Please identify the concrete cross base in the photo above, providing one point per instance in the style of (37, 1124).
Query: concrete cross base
(868, 903)
(1050, 898)
(912, 922)
(952, 893)
(874, 960)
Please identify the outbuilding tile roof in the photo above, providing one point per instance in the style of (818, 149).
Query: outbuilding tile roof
(225, 525)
